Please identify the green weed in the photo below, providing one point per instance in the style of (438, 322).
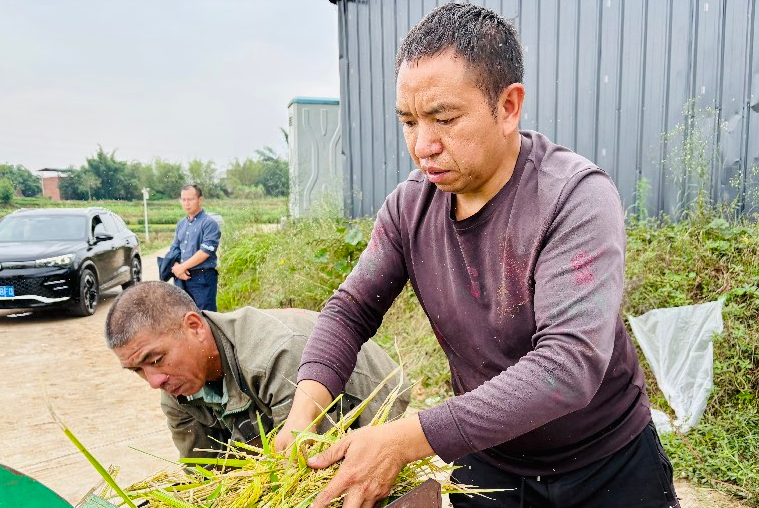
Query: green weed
(709, 254)
(699, 260)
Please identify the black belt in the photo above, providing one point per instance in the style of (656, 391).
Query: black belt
(201, 270)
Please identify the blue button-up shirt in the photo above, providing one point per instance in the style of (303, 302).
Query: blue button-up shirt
(202, 233)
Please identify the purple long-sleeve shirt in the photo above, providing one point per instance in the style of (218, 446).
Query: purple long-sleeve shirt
(524, 299)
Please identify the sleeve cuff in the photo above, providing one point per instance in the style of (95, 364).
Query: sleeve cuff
(208, 249)
(443, 433)
(321, 374)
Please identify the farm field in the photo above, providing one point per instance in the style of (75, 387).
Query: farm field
(164, 215)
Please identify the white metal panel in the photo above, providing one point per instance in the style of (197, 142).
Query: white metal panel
(316, 163)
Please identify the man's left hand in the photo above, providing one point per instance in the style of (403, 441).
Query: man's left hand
(372, 458)
(180, 272)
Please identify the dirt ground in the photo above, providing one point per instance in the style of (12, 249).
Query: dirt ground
(51, 358)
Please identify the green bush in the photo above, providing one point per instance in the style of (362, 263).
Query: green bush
(275, 178)
(698, 260)
(160, 217)
(709, 254)
(7, 191)
(302, 264)
(298, 266)
(249, 192)
(22, 179)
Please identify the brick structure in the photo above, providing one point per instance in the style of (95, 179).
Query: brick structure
(50, 179)
(50, 187)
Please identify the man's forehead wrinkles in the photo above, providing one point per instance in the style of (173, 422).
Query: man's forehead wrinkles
(439, 107)
(139, 356)
(435, 108)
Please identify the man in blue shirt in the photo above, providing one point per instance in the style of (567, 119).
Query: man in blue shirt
(196, 242)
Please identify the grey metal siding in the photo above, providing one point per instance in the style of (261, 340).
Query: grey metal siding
(751, 121)
(607, 78)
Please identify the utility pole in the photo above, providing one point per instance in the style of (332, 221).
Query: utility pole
(145, 196)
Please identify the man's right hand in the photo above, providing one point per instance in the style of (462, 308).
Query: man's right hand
(285, 435)
(310, 399)
(180, 272)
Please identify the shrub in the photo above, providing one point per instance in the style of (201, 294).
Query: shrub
(303, 263)
(249, 192)
(698, 260)
(7, 191)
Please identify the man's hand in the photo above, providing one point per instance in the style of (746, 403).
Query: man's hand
(285, 435)
(311, 397)
(372, 458)
(180, 272)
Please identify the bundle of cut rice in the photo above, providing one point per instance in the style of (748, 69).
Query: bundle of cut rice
(249, 476)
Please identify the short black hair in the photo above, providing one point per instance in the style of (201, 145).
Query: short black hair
(198, 190)
(488, 43)
(153, 307)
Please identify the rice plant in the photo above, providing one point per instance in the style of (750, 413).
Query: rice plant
(257, 476)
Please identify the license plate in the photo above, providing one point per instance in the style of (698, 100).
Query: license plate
(7, 292)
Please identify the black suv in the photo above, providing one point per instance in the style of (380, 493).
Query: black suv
(65, 257)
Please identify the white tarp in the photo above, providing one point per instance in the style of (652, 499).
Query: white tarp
(677, 343)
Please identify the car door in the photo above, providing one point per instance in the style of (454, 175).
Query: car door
(103, 252)
(122, 259)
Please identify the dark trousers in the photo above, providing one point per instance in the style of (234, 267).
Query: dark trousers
(637, 476)
(201, 287)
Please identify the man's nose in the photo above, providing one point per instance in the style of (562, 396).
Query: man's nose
(428, 142)
(155, 379)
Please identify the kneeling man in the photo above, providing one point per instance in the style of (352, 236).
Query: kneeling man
(219, 371)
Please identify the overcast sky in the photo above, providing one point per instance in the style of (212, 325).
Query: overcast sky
(175, 79)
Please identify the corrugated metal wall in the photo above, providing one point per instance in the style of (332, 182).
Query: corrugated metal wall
(606, 78)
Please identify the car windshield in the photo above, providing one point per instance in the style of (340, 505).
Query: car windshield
(43, 229)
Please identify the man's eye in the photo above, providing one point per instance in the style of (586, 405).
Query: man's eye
(157, 360)
(445, 121)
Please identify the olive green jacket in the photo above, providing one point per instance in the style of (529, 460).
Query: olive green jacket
(260, 352)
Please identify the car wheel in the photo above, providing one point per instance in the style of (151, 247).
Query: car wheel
(135, 273)
(89, 293)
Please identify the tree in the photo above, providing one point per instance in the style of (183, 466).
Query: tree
(89, 182)
(169, 179)
(69, 186)
(204, 174)
(286, 135)
(22, 179)
(267, 170)
(115, 181)
(245, 173)
(144, 173)
(275, 173)
(79, 184)
(7, 191)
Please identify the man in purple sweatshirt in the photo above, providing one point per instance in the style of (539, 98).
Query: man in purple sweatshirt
(515, 248)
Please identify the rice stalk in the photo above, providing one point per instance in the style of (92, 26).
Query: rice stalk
(249, 476)
(104, 474)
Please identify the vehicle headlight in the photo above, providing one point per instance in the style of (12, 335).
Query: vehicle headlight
(64, 260)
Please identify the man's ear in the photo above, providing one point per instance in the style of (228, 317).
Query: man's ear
(193, 323)
(510, 107)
